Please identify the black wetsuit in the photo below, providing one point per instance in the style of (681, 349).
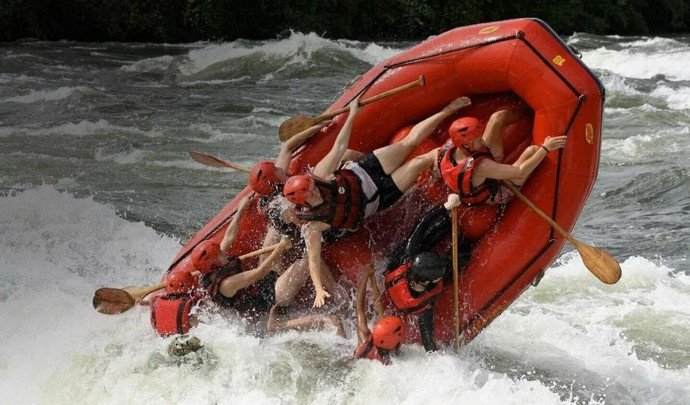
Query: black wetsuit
(429, 231)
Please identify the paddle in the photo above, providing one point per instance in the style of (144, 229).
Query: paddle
(118, 300)
(209, 160)
(299, 123)
(377, 294)
(598, 262)
(456, 300)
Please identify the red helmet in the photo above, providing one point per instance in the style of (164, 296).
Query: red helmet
(204, 255)
(388, 332)
(297, 189)
(465, 130)
(179, 282)
(263, 177)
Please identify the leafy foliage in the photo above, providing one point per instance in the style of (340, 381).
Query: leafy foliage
(189, 20)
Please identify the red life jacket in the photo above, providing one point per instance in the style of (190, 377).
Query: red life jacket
(398, 289)
(343, 205)
(170, 314)
(458, 176)
(368, 350)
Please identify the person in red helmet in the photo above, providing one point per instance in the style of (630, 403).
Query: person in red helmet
(267, 177)
(330, 197)
(227, 284)
(248, 291)
(171, 312)
(388, 333)
(471, 161)
(414, 273)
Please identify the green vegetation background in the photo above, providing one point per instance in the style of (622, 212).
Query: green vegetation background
(192, 20)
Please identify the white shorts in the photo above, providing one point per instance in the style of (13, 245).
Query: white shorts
(369, 188)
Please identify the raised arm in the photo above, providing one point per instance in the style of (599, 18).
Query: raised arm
(363, 330)
(233, 228)
(312, 233)
(289, 146)
(331, 161)
(493, 134)
(234, 283)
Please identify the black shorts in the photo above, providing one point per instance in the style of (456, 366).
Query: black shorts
(388, 191)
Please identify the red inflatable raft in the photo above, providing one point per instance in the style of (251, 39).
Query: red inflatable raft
(499, 64)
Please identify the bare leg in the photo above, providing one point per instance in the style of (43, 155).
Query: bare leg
(493, 134)
(272, 237)
(291, 281)
(405, 176)
(310, 322)
(392, 156)
(351, 155)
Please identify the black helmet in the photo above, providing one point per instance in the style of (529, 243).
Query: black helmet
(427, 266)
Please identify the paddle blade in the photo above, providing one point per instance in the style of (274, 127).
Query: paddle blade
(112, 301)
(293, 126)
(600, 263)
(209, 160)
(205, 159)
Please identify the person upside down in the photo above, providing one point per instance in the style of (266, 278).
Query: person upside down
(414, 275)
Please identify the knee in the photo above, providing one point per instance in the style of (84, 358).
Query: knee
(283, 301)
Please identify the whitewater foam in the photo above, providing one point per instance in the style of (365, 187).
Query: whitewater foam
(640, 64)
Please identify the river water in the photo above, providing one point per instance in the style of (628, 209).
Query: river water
(97, 189)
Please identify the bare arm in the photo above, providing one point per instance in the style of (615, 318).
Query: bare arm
(285, 154)
(330, 162)
(521, 171)
(312, 236)
(233, 228)
(234, 283)
(363, 330)
(493, 134)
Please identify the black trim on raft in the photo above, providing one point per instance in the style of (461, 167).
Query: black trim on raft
(553, 33)
(462, 48)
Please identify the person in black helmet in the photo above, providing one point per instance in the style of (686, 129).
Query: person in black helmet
(414, 275)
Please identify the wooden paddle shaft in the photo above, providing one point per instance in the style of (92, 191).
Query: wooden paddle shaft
(377, 294)
(601, 264)
(456, 299)
(329, 115)
(541, 213)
